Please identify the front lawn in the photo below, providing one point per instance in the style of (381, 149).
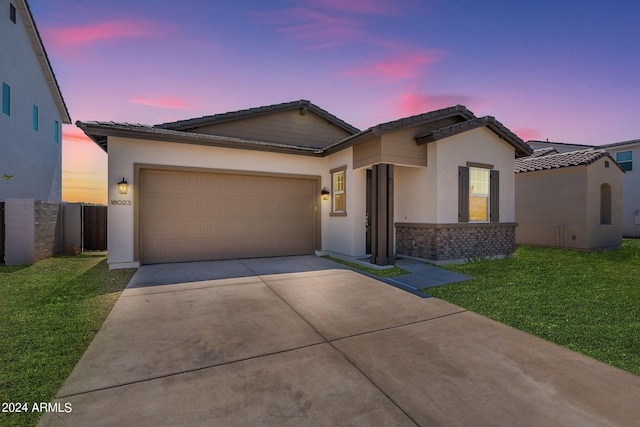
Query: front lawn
(588, 302)
(49, 313)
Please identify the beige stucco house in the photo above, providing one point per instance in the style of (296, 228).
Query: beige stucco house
(292, 178)
(571, 199)
(625, 153)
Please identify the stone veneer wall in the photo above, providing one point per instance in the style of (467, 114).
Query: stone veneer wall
(441, 242)
(36, 230)
(48, 229)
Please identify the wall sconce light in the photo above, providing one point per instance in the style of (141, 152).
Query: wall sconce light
(123, 187)
(325, 193)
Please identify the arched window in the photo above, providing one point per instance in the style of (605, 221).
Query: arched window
(605, 204)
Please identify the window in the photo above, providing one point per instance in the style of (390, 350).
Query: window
(338, 191)
(478, 193)
(56, 132)
(34, 118)
(625, 160)
(605, 204)
(6, 99)
(12, 13)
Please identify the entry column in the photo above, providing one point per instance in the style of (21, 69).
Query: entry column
(381, 221)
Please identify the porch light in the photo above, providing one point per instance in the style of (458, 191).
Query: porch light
(123, 186)
(325, 193)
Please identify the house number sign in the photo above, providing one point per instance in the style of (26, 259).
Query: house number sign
(121, 202)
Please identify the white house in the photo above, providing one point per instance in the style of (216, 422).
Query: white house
(292, 178)
(625, 153)
(31, 117)
(33, 110)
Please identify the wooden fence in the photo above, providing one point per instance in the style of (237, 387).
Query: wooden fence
(94, 228)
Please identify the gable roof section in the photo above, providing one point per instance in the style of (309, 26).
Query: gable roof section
(561, 160)
(522, 149)
(302, 104)
(459, 113)
(99, 131)
(439, 121)
(36, 41)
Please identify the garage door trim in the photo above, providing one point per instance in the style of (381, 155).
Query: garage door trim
(138, 167)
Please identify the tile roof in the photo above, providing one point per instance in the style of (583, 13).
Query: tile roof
(456, 110)
(257, 111)
(544, 152)
(98, 132)
(522, 148)
(560, 160)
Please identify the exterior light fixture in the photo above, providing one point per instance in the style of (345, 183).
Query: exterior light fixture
(123, 186)
(325, 193)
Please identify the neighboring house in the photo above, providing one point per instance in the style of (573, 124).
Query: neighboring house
(625, 153)
(292, 178)
(31, 119)
(571, 199)
(33, 110)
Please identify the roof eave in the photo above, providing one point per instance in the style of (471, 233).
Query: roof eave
(43, 59)
(100, 133)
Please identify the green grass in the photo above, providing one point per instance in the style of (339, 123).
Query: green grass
(587, 302)
(382, 272)
(49, 313)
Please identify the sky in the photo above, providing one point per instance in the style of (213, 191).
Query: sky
(563, 70)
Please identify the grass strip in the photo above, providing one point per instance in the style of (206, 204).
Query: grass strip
(382, 272)
(49, 313)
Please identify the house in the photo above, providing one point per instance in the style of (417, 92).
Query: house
(292, 178)
(625, 153)
(33, 110)
(571, 199)
(31, 119)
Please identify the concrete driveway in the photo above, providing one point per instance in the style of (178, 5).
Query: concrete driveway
(302, 341)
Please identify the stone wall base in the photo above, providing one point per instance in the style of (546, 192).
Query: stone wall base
(441, 242)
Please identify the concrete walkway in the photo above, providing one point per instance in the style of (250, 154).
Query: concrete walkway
(323, 346)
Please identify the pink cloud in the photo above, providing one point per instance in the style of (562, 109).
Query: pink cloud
(165, 102)
(74, 134)
(373, 7)
(98, 32)
(527, 134)
(399, 67)
(409, 104)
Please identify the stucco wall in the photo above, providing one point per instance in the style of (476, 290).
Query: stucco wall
(549, 199)
(31, 156)
(568, 197)
(479, 146)
(604, 236)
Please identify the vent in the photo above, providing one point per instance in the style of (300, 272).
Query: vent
(12, 13)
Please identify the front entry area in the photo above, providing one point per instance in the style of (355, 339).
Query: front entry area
(197, 216)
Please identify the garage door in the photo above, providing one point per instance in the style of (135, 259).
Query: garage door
(194, 216)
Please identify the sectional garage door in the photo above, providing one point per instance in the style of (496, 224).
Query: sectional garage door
(195, 216)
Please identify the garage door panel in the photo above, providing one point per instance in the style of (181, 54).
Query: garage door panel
(191, 216)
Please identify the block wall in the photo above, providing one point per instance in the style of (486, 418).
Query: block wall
(442, 242)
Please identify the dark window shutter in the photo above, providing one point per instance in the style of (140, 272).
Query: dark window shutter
(463, 194)
(494, 195)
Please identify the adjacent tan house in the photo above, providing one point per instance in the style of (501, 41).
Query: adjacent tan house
(291, 179)
(570, 199)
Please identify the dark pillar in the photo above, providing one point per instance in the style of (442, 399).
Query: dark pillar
(381, 221)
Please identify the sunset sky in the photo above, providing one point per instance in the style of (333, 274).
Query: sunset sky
(566, 70)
